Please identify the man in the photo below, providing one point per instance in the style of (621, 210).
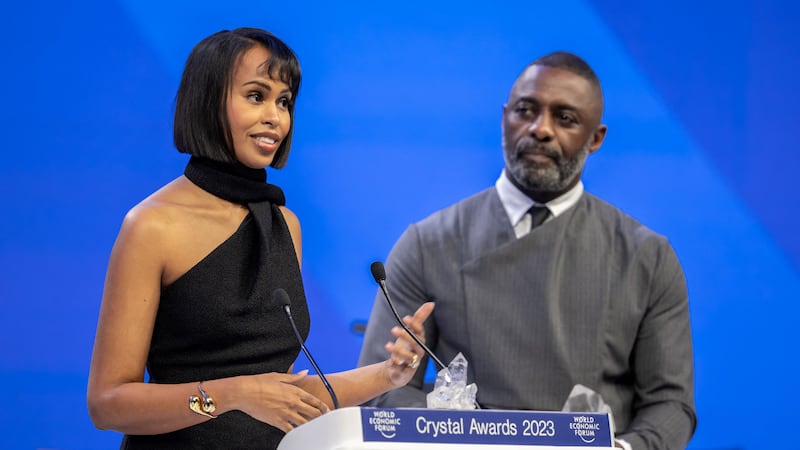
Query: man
(588, 296)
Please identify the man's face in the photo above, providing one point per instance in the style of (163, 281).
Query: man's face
(550, 124)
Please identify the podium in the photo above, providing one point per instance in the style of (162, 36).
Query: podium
(365, 428)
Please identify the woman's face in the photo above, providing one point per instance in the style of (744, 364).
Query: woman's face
(258, 110)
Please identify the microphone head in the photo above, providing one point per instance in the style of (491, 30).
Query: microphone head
(378, 272)
(280, 296)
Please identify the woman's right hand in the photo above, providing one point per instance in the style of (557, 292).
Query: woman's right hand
(275, 398)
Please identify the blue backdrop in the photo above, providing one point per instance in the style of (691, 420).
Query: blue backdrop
(399, 115)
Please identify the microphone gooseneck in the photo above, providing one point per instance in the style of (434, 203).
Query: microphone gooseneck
(281, 297)
(379, 274)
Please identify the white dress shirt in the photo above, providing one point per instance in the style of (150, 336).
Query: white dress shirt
(517, 204)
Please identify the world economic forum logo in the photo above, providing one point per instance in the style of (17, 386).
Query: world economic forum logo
(385, 423)
(586, 428)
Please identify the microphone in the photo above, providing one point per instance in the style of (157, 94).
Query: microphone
(280, 296)
(379, 273)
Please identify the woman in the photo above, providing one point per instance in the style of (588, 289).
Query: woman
(188, 292)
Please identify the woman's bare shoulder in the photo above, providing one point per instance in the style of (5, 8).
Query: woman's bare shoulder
(171, 208)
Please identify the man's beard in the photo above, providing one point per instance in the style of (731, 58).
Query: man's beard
(533, 176)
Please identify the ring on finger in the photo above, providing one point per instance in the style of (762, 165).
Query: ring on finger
(414, 361)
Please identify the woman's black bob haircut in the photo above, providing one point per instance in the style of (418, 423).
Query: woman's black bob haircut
(201, 125)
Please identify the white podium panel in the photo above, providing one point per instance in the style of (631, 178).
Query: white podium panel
(413, 428)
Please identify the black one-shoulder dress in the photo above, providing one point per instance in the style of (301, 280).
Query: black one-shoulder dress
(219, 320)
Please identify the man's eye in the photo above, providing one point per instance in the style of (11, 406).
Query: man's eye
(566, 118)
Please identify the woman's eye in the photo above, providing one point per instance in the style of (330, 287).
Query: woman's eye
(284, 102)
(255, 96)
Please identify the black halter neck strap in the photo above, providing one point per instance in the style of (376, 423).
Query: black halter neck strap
(233, 181)
(239, 184)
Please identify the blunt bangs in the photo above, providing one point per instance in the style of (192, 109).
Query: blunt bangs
(201, 125)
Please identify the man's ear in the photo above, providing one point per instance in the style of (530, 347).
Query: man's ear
(503, 118)
(598, 137)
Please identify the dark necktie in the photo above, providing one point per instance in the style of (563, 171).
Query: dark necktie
(538, 215)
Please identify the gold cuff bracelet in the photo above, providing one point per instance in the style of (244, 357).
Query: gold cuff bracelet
(205, 406)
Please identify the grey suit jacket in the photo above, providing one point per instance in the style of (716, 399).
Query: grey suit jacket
(591, 297)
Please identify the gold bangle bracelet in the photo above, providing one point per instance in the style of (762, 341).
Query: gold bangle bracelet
(205, 406)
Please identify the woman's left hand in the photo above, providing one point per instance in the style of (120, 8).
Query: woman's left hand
(406, 354)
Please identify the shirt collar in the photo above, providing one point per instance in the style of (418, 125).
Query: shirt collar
(516, 203)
